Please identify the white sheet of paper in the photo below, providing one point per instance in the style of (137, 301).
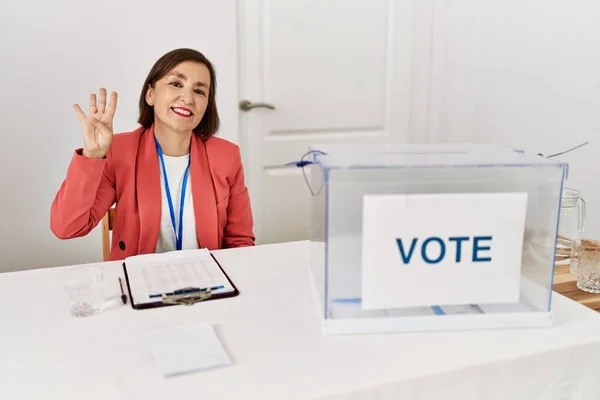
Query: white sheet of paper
(454, 276)
(155, 274)
(185, 349)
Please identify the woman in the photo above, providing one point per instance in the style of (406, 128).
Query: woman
(175, 185)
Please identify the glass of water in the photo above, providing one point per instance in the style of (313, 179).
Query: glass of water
(85, 288)
(571, 225)
(585, 260)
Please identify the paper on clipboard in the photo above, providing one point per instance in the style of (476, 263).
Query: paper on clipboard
(152, 275)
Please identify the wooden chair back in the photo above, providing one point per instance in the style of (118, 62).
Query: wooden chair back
(108, 222)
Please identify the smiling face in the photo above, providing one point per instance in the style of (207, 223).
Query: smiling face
(180, 98)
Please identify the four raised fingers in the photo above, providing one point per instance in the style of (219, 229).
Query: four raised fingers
(99, 108)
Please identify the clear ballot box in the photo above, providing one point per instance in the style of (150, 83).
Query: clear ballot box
(429, 237)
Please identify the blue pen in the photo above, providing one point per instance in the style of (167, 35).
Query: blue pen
(178, 292)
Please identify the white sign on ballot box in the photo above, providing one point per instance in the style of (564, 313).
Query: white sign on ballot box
(442, 249)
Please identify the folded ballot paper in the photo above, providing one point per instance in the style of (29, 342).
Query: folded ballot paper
(185, 349)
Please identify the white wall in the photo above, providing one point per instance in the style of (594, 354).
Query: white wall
(54, 54)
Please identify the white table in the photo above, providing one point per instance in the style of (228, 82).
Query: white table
(272, 334)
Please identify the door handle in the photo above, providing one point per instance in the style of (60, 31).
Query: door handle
(247, 105)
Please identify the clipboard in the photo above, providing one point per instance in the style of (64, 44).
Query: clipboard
(183, 296)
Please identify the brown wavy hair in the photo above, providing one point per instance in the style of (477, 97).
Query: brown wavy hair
(209, 125)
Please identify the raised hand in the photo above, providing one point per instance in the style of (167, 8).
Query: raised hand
(98, 125)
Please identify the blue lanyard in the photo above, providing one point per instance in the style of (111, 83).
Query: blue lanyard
(178, 232)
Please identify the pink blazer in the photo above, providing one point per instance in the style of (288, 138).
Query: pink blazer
(130, 176)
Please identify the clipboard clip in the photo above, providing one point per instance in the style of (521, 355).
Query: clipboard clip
(187, 296)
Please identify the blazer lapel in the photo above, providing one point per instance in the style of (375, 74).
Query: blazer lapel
(148, 192)
(203, 192)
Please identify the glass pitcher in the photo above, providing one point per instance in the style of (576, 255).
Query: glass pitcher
(570, 226)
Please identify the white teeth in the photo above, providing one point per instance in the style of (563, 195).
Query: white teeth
(181, 111)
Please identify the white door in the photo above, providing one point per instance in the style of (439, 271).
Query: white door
(335, 71)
